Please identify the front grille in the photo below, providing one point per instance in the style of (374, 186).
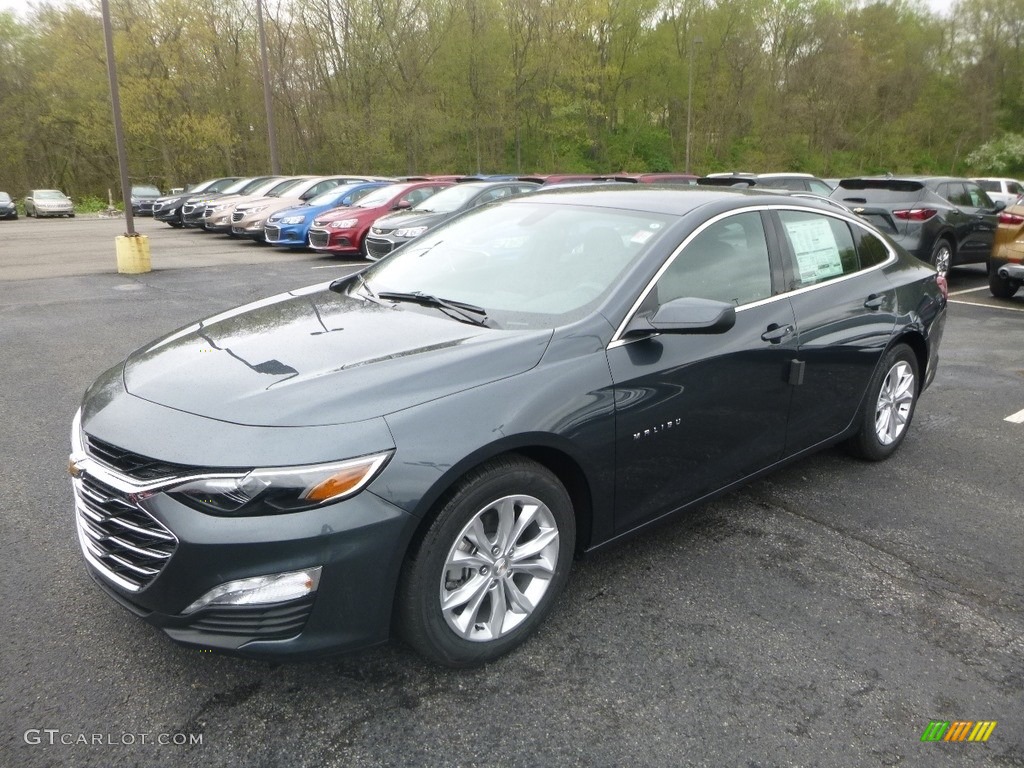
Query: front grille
(208, 212)
(188, 209)
(274, 622)
(128, 463)
(236, 216)
(318, 239)
(271, 233)
(378, 249)
(123, 541)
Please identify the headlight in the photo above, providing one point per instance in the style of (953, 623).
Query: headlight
(279, 490)
(293, 220)
(343, 223)
(410, 232)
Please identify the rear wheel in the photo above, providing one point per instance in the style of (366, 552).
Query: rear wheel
(888, 406)
(942, 256)
(1002, 287)
(490, 566)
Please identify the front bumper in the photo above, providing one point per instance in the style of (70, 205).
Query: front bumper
(50, 212)
(379, 246)
(251, 229)
(290, 235)
(334, 240)
(358, 543)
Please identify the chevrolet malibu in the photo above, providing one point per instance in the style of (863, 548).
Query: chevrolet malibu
(421, 448)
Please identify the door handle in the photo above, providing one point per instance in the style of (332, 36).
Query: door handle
(874, 301)
(776, 333)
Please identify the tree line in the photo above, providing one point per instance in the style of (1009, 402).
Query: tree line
(832, 87)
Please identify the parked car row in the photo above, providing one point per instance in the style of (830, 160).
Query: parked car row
(946, 221)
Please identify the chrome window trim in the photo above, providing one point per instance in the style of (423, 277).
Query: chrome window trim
(851, 219)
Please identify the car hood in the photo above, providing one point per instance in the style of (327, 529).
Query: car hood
(317, 357)
(350, 212)
(411, 219)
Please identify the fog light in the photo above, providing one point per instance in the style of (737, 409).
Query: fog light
(259, 590)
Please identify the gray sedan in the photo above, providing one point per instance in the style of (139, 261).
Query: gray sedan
(48, 202)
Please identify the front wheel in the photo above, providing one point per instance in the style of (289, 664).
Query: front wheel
(490, 565)
(1002, 287)
(888, 406)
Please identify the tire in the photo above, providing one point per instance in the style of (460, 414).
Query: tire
(889, 406)
(1002, 287)
(468, 558)
(942, 256)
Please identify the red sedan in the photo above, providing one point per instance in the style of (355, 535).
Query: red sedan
(342, 230)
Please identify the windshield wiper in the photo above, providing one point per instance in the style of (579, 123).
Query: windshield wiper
(469, 313)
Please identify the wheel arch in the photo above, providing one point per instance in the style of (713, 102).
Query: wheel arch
(914, 339)
(556, 459)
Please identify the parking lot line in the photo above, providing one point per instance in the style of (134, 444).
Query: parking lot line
(969, 290)
(990, 306)
(1016, 418)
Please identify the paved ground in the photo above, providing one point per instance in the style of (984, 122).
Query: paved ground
(821, 617)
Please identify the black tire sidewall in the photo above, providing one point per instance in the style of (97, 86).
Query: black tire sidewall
(421, 622)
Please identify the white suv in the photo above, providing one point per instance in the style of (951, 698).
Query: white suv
(1007, 190)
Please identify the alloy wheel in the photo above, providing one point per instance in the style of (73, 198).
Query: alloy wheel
(499, 568)
(895, 401)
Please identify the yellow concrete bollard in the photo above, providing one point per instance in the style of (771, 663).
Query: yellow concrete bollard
(132, 254)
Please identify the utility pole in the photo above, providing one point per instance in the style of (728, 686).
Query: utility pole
(694, 42)
(275, 165)
(132, 249)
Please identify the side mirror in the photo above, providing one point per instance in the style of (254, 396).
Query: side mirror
(402, 205)
(999, 206)
(685, 315)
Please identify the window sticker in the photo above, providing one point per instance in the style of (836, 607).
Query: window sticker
(817, 253)
(641, 237)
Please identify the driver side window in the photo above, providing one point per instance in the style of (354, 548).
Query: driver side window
(728, 262)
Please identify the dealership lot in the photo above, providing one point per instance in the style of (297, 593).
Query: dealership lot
(822, 616)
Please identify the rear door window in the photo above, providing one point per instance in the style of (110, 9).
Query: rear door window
(822, 247)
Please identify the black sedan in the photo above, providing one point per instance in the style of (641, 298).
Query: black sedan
(942, 220)
(421, 448)
(395, 229)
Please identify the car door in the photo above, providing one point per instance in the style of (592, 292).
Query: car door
(964, 219)
(985, 221)
(697, 412)
(845, 310)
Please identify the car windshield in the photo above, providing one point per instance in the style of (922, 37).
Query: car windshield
(239, 186)
(332, 196)
(381, 196)
(529, 265)
(448, 200)
(4, 197)
(145, 189)
(49, 194)
(284, 186)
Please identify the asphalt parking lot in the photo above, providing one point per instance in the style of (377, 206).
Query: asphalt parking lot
(821, 617)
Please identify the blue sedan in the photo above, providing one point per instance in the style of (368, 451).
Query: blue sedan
(290, 228)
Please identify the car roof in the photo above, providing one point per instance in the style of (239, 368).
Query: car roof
(673, 199)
